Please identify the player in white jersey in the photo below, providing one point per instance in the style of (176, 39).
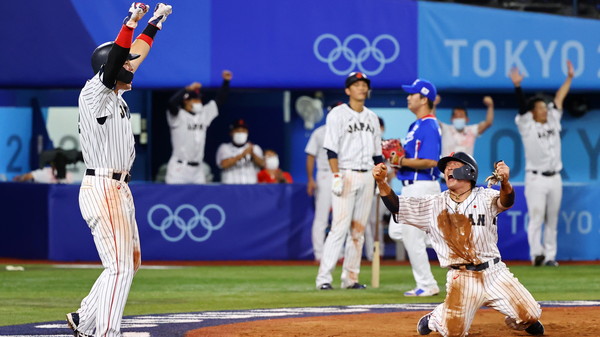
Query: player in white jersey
(240, 160)
(105, 199)
(353, 144)
(189, 120)
(321, 187)
(460, 136)
(462, 225)
(539, 126)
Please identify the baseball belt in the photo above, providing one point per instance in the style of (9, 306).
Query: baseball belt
(476, 267)
(115, 175)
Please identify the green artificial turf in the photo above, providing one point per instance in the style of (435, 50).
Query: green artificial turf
(45, 293)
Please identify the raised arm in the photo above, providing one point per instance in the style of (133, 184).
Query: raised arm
(516, 77)
(224, 89)
(562, 92)
(143, 42)
(507, 193)
(489, 117)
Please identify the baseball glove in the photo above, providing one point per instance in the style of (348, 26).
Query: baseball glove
(392, 151)
(495, 178)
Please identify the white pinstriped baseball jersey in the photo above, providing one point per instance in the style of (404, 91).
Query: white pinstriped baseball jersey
(315, 148)
(107, 145)
(455, 240)
(541, 141)
(354, 136)
(188, 132)
(242, 172)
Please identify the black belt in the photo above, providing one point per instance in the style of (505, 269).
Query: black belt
(410, 182)
(115, 175)
(190, 163)
(475, 267)
(545, 173)
(355, 170)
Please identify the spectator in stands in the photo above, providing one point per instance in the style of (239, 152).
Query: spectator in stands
(240, 160)
(459, 136)
(272, 173)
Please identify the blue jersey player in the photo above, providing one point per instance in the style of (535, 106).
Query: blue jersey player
(419, 176)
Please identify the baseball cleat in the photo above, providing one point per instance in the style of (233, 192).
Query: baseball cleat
(551, 263)
(538, 260)
(325, 286)
(423, 325)
(73, 321)
(536, 329)
(357, 286)
(419, 292)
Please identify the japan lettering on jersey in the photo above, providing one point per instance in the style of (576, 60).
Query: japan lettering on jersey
(188, 132)
(354, 136)
(423, 141)
(461, 233)
(542, 142)
(105, 131)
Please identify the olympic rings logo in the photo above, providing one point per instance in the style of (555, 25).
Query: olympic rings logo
(356, 59)
(186, 227)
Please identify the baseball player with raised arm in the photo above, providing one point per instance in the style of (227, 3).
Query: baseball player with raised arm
(353, 144)
(189, 120)
(462, 225)
(539, 126)
(105, 199)
(419, 176)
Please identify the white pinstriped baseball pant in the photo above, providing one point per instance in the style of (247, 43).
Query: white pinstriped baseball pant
(543, 196)
(107, 207)
(322, 208)
(414, 239)
(350, 213)
(495, 287)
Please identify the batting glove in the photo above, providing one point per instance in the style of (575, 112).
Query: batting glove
(136, 12)
(337, 184)
(161, 11)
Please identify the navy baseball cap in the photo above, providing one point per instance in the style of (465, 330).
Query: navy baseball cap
(422, 87)
(194, 94)
(357, 76)
(240, 123)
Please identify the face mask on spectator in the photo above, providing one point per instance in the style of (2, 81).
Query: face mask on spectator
(196, 108)
(272, 163)
(459, 123)
(240, 138)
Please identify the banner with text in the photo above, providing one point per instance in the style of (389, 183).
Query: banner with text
(479, 50)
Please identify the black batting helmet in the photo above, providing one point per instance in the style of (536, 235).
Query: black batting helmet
(100, 55)
(467, 172)
(357, 76)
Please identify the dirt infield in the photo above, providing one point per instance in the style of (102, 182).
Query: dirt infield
(560, 321)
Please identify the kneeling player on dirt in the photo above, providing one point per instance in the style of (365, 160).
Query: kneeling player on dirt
(461, 223)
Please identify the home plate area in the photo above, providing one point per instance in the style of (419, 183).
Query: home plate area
(357, 320)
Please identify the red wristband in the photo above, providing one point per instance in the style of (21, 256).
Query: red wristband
(125, 36)
(146, 39)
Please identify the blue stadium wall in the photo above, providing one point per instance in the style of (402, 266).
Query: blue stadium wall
(278, 46)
